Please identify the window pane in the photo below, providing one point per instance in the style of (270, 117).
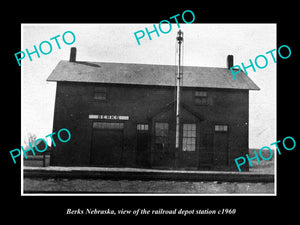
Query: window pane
(189, 130)
(221, 128)
(189, 137)
(201, 100)
(185, 133)
(185, 128)
(201, 93)
(194, 133)
(105, 125)
(161, 129)
(142, 127)
(193, 126)
(188, 147)
(100, 95)
(193, 141)
(225, 127)
(157, 127)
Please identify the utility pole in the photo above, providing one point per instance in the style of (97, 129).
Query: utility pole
(179, 39)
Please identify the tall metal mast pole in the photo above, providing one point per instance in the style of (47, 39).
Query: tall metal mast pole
(179, 40)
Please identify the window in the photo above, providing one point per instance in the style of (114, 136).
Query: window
(142, 127)
(100, 93)
(221, 128)
(108, 126)
(201, 98)
(189, 137)
(161, 129)
(161, 135)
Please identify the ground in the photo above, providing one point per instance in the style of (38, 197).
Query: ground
(128, 186)
(154, 187)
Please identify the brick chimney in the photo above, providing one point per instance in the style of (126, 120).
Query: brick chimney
(229, 61)
(73, 54)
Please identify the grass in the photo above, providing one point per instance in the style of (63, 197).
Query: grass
(265, 166)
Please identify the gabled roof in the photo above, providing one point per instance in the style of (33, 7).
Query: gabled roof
(171, 105)
(146, 74)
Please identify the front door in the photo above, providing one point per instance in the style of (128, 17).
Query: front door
(220, 149)
(142, 156)
(162, 154)
(107, 144)
(188, 154)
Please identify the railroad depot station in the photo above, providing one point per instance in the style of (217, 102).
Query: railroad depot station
(124, 115)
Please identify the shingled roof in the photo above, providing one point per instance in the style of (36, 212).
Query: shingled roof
(146, 74)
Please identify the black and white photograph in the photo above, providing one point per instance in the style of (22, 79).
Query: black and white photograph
(137, 112)
(131, 109)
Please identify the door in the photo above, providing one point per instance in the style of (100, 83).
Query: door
(142, 142)
(220, 146)
(107, 144)
(162, 154)
(142, 155)
(188, 155)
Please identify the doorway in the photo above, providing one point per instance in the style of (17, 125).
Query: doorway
(107, 144)
(221, 146)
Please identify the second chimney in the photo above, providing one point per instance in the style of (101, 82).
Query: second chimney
(229, 61)
(73, 54)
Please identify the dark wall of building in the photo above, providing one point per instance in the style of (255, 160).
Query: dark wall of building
(147, 104)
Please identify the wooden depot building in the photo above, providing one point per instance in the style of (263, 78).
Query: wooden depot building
(123, 115)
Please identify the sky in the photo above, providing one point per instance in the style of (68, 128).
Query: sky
(205, 45)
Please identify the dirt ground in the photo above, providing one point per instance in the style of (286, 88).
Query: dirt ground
(153, 187)
(129, 186)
